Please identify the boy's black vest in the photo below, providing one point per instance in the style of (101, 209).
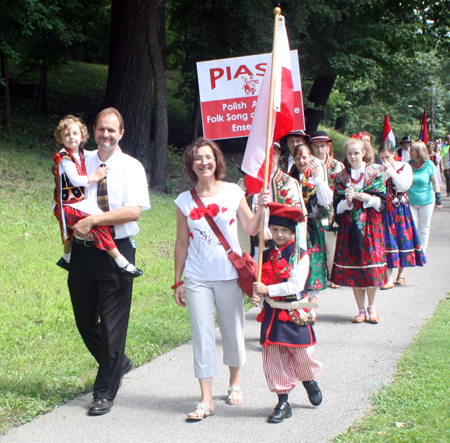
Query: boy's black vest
(279, 332)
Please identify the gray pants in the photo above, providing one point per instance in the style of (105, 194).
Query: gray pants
(203, 299)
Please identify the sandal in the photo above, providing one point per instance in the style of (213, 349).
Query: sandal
(200, 407)
(373, 316)
(360, 318)
(232, 399)
(387, 286)
(401, 280)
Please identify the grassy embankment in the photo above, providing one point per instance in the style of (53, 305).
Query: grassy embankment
(416, 406)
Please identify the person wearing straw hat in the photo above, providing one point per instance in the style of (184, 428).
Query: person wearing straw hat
(287, 335)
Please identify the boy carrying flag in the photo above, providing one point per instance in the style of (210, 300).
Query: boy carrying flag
(287, 336)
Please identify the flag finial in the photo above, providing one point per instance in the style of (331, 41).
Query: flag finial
(277, 11)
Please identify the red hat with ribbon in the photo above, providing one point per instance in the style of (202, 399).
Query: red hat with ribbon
(283, 215)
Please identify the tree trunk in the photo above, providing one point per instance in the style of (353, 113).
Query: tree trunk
(196, 120)
(6, 123)
(42, 98)
(155, 17)
(341, 123)
(129, 87)
(75, 53)
(319, 94)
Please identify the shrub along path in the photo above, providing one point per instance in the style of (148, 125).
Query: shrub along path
(358, 361)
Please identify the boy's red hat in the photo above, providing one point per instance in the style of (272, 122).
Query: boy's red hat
(284, 215)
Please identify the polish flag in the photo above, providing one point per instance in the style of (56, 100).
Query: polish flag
(424, 129)
(253, 163)
(388, 134)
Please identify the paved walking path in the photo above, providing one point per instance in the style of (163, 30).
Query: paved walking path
(358, 361)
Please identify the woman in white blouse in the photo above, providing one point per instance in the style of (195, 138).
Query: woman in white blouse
(403, 247)
(211, 281)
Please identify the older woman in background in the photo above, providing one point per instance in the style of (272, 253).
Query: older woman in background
(210, 277)
(425, 192)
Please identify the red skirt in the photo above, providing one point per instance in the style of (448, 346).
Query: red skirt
(102, 234)
(356, 268)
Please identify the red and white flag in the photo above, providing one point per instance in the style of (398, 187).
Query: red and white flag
(253, 163)
(388, 134)
(424, 129)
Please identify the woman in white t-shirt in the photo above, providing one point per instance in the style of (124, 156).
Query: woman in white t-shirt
(210, 277)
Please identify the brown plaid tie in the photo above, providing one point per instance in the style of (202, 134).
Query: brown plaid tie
(102, 194)
(102, 197)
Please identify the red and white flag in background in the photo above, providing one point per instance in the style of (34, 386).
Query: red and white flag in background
(424, 129)
(388, 134)
(253, 163)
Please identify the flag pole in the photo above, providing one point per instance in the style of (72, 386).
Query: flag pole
(269, 141)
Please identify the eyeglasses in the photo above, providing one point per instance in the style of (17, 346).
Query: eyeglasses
(206, 159)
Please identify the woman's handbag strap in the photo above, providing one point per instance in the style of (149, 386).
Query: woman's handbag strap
(211, 222)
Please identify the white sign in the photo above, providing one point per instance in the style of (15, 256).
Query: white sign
(229, 90)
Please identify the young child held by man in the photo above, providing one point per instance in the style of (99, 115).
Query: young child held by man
(287, 337)
(70, 205)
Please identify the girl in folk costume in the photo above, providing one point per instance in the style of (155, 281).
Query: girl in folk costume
(402, 240)
(287, 335)
(370, 157)
(321, 148)
(359, 198)
(311, 175)
(70, 205)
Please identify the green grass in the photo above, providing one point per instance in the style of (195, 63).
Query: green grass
(44, 362)
(416, 406)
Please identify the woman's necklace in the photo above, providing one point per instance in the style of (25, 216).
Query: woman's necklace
(357, 179)
(418, 164)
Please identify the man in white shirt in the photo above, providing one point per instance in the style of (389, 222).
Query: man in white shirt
(100, 294)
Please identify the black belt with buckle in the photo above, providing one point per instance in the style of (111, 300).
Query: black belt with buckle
(87, 243)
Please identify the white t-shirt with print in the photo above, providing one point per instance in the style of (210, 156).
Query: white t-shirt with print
(207, 259)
